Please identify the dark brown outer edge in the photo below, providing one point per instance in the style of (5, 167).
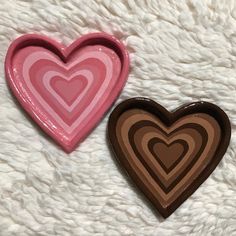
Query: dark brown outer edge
(168, 118)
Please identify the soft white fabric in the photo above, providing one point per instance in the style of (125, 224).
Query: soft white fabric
(181, 51)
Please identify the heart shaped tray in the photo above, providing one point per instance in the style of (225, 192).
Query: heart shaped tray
(67, 90)
(168, 155)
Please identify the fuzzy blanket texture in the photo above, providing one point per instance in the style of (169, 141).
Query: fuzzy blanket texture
(181, 51)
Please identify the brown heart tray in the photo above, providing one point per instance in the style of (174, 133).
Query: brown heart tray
(168, 155)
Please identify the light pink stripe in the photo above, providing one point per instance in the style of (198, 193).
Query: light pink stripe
(50, 74)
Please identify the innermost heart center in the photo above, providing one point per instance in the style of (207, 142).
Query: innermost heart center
(70, 89)
(168, 155)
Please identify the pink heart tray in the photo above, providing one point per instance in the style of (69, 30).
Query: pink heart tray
(67, 90)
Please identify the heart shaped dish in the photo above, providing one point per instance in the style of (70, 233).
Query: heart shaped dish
(168, 155)
(67, 90)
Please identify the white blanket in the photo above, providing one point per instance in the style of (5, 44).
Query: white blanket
(181, 51)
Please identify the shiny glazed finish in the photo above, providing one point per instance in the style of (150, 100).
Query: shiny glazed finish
(67, 90)
(168, 155)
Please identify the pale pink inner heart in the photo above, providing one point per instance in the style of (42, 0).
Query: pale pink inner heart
(69, 107)
(70, 93)
(68, 90)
